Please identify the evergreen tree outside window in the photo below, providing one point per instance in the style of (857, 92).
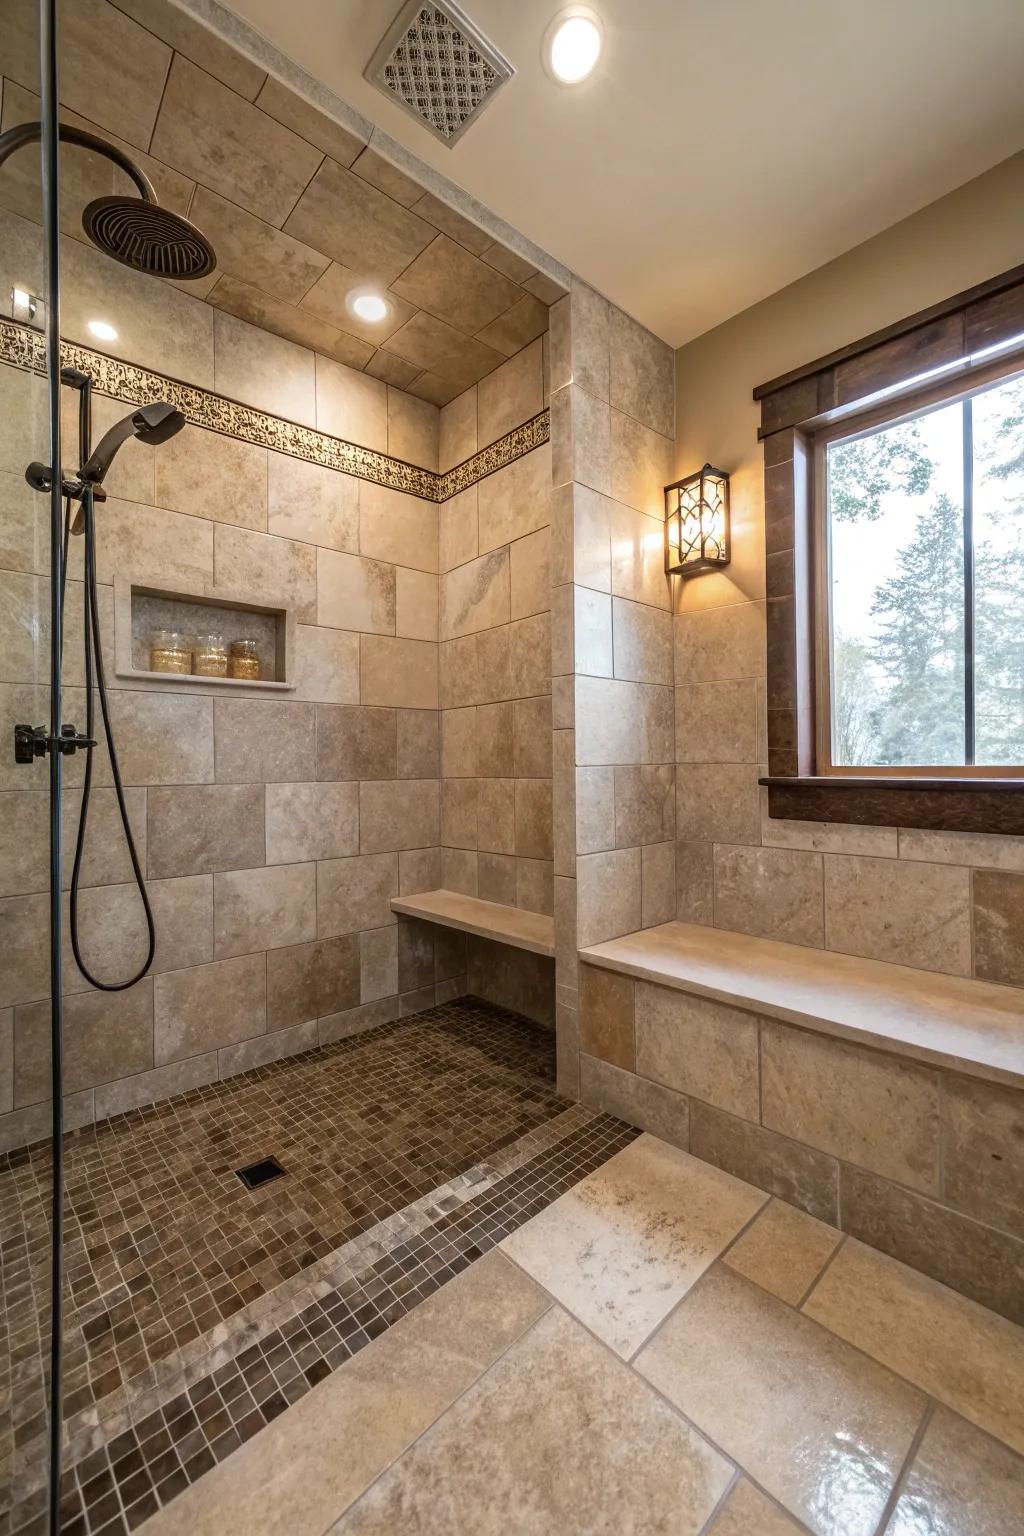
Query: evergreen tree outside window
(924, 588)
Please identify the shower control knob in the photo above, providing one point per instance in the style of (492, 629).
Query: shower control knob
(29, 743)
(32, 741)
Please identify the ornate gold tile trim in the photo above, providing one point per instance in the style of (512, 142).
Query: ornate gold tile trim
(23, 347)
(512, 446)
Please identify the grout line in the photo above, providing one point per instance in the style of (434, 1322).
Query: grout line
(822, 1272)
(904, 1472)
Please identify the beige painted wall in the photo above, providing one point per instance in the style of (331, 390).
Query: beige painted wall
(859, 890)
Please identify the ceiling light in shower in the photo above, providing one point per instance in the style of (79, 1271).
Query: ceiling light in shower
(102, 330)
(572, 44)
(367, 304)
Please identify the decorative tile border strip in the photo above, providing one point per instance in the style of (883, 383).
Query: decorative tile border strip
(128, 1477)
(23, 347)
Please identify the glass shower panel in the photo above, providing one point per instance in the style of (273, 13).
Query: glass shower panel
(26, 1164)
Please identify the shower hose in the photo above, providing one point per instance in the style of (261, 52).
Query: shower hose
(95, 679)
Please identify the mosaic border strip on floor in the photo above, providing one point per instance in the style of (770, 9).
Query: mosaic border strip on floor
(23, 347)
(120, 1484)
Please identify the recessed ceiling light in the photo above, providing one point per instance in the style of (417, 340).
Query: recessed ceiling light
(572, 44)
(367, 304)
(102, 330)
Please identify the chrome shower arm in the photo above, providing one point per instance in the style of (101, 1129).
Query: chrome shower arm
(29, 133)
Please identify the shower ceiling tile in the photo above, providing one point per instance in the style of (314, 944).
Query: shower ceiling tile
(212, 134)
(517, 327)
(434, 389)
(111, 69)
(451, 283)
(308, 122)
(392, 370)
(255, 251)
(285, 320)
(197, 43)
(449, 353)
(386, 177)
(454, 224)
(327, 299)
(357, 225)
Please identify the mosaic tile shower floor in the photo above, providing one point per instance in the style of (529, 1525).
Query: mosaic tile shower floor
(198, 1309)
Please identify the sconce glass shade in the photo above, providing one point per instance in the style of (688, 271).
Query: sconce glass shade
(697, 523)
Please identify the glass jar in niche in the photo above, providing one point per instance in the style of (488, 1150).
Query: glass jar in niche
(211, 656)
(244, 661)
(169, 651)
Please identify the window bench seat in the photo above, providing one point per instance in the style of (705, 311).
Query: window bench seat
(886, 1101)
(973, 1027)
(486, 919)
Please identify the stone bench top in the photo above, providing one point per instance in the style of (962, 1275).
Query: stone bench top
(974, 1027)
(486, 919)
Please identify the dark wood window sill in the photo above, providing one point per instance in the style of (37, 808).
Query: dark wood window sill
(941, 805)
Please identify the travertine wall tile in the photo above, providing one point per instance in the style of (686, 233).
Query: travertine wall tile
(642, 641)
(476, 596)
(773, 892)
(530, 574)
(261, 909)
(419, 743)
(270, 570)
(353, 593)
(458, 530)
(511, 394)
(699, 1047)
(608, 895)
(398, 813)
(312, 503)
(860, 1105)
(310, 821)
(205, 827)
(398, 672)
(606, 1016)
(398, 529)
(983, 1151)
(657, 884)
(309, 981)
(378, 964)
(353, 742)
(516, 500)
(106, 1035)
(998, 927)
(352, 894)
(261, 741)
(326, 665)
(875, 907)
(716, 723)
(209, 1005)
(207, 474)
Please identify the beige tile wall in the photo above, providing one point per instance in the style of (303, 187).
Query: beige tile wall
(495, 629)
(612, 426)
(922, 1163)
(275, 830)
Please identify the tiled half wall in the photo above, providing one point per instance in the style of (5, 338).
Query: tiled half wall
(273, 829)
(923, 1163)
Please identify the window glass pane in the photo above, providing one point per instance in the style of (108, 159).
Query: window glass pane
(896, 583)
(999, 573)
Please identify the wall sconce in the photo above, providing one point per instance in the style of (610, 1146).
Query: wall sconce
(697, 523)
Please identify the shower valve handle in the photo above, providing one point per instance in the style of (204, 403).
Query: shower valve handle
(32, 741)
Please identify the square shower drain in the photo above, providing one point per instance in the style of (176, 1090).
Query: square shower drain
(260, 1173)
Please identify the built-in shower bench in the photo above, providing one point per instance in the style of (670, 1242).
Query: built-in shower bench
(486, 919)
(967, 1026)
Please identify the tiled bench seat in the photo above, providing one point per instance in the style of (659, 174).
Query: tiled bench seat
(486, 919)
(885, 1100)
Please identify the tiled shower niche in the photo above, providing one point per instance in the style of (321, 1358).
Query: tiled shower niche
(141, 609)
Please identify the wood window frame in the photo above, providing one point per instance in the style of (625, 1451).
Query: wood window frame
(879, 380)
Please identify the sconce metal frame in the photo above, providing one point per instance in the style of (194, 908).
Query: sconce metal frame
(697, 525)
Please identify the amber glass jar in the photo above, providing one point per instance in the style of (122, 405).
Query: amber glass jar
(244, 661)
(210, 656)
(169, 651)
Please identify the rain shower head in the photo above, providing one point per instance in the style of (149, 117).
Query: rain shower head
(151, 239)
(150, 424)
(135, 231)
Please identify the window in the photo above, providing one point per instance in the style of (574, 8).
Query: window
(921, 588)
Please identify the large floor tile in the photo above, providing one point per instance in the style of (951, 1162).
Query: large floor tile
(624, 1245)
(784, 1250)
(748, 1512)
(306, 1468)
(961, 1483)
(558, 1436)
(961, 1353)
(823, 1429)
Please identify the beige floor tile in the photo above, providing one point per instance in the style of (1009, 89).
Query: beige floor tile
(747, 1512)
(961, 1483)
(784, 1250)
(305, 1469)
(822, 1429)
(558, 1436)
(950, 1346)
(622, 1246)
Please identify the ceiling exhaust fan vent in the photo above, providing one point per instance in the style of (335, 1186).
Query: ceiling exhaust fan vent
(435, 64)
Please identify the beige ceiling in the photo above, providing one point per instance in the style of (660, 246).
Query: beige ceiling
(298, 209)
(724, 148)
